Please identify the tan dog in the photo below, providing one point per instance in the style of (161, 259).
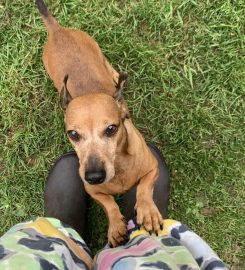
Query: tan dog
(113, 155)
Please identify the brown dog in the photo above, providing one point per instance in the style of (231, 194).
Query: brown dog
(113, 155)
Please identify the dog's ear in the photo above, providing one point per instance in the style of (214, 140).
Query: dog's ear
(130, 138)
(124, 110)
(119, 85)
(119, 96)
(65, 96)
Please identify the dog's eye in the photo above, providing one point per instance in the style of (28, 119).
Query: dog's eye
(111, 130)
(73, 135)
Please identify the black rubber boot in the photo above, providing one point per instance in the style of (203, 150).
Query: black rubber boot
(161, 189)
(65, 196)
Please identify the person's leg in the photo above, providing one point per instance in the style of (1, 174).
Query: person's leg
(161, 189)
(175, 247)
(143, 251)
(43, 243)
(52, 242)
(65, 196)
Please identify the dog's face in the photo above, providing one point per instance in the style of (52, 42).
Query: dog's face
(94, 125)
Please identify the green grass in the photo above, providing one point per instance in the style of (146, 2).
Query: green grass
(186, 93)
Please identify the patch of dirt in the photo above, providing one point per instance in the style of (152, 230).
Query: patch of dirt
(207, 211)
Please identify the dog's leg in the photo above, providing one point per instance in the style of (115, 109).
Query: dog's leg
(147, 212)
(117, 231)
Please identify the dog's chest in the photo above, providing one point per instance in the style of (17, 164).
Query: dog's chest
(119, 185)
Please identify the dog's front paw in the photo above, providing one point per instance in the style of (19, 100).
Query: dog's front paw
(117, 233)
(148, 215)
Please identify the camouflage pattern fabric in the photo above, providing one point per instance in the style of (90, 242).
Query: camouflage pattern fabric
(46, 243)
(43, 243)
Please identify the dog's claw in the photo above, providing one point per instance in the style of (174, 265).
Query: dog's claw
(161, 227)
(150, 233)
(156, 233)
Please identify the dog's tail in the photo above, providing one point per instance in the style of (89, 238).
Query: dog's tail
(48, 19)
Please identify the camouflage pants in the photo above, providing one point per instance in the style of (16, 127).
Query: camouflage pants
(46, 243)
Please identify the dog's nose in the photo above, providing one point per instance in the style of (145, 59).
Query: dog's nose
(96, 177)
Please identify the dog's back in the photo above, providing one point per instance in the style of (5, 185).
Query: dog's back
(73, 52)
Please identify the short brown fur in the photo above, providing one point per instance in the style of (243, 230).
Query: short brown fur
(125, 156)
(73, 52)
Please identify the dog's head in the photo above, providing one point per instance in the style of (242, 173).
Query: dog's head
(95, 126)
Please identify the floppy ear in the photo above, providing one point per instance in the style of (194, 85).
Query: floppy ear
(119, 97)
(130, 135)
(65, 96)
